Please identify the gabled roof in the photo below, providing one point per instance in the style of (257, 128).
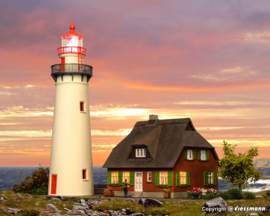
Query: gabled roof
(165, 140)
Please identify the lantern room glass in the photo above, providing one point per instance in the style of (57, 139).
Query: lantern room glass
(72, 40)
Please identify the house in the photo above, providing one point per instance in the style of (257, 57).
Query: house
(160, 154)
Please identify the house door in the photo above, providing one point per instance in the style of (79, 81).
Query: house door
(138, 181)
(53, 184)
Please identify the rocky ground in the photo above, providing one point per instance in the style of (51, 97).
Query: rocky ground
(11, 203)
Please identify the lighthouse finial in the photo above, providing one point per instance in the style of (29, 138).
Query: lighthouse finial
(72, 26)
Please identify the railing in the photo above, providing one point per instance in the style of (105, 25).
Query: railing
(71, 69)
(71, 49)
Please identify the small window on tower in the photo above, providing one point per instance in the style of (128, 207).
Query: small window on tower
(84, 174)
(82, 109)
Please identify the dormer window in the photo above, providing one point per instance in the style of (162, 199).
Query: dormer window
(140, 152)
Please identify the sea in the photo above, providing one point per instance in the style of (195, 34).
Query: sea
(9, 175)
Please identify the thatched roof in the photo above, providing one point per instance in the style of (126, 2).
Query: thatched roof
(164, 139)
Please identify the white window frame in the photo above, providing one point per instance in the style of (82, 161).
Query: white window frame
(126, 175)
(210, 177)
(149, 176)
(163, 178)
(188, 154)
(140, 152)
(202, 155)
(114, 178)
(183, 175)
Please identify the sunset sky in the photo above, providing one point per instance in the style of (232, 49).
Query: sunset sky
(208, 60)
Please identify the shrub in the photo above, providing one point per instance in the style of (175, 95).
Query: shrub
(166, 190)
(38, 179)
(28, 213)
(209, 196)
(224, 195)
(108, 190)
(235, 193)
(249, 195)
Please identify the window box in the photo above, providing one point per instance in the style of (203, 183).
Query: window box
(167, 193)
(108, 192)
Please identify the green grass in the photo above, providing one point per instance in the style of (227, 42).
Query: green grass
(117, 205)
(37, 191)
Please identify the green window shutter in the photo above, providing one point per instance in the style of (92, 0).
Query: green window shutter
(199, 155)
(188, 178)
(185, 154)
(156, 178)
(131, 177)
(170, 179)
(194, 154)
(215, 178)
(120, 179)
(207, 155)
(205, 178)
(177, 179)
(109, 178)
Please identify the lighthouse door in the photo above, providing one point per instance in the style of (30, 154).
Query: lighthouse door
(138, 181)
(53, 184)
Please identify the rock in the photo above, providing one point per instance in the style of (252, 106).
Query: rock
(267, 208)
(66, 209)
(203, 213)
(17, 194)
(141, 201)
(60, 197)
(258, 196)
(130, 200)
(54, 199)
(78, 207)
(152, 203)
(30, 196)
(129, 211)
(268, 193)
(51, 206)
(2, 198)
(12, 211)
(137, 214)
(215, 203)
(253, 214)
(82, 201)
(104, 214)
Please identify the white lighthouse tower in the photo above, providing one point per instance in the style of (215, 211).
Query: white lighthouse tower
(71, 168)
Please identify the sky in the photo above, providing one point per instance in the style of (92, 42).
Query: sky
(206, 60)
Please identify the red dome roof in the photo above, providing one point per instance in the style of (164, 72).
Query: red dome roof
(72, 32)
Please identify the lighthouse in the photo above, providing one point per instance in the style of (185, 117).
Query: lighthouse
(71, 168)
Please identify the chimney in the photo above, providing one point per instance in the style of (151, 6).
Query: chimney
(153, 117)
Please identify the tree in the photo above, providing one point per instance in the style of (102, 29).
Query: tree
(238, 169)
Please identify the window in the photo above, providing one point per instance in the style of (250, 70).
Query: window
(163, 178)
(183, 177)
(210, 177)
(203, 155)
(141, 152)
(82, 109)
(189, 155)
(149, 176)
(84, 174)
(126, 175)
(114, 178)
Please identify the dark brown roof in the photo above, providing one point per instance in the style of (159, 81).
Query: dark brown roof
(165, 140)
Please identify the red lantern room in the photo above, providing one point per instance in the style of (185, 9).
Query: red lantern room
(72, 42)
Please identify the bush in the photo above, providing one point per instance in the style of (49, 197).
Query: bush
(249, 195)
(209, 196)
(166, 190)
(235, 193)
(28, 213)
(38, 179)
(108, 190)
(224, 195)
